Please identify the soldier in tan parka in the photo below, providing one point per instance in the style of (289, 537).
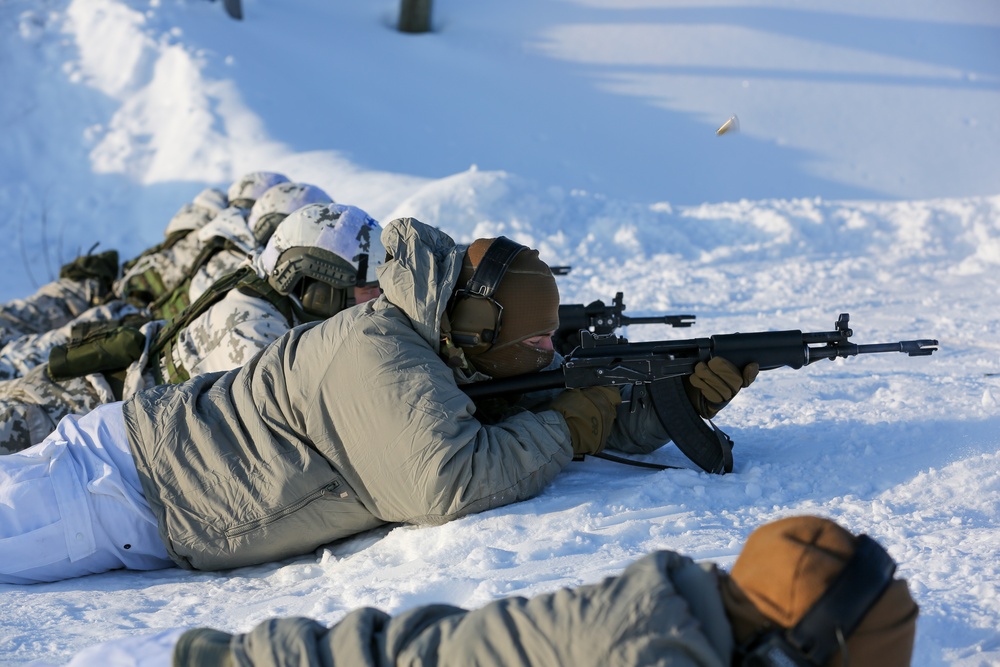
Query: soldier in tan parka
(664, 609)
(290, 452)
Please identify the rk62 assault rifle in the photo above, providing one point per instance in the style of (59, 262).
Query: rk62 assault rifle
(597, 318)
(659, 367)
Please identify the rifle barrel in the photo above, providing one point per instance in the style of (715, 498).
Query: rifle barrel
(915, 348)
(672, 320)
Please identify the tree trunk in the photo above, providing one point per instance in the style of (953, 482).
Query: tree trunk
(234, 8)
(415, 15)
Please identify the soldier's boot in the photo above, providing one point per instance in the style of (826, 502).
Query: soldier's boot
(102, 267)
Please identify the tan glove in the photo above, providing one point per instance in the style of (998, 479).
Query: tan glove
(714, 384)
(590, 413)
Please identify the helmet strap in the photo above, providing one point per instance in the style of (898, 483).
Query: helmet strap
(452, 355)
(362, 270)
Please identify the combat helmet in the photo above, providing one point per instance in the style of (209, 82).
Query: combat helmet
(280, 200)
(320, 252)
(212, 199)
(205, 206)
(243, 193)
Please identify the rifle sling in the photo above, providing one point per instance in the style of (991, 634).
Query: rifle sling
(630, 462)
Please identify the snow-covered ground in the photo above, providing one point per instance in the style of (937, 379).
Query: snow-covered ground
(864, 179)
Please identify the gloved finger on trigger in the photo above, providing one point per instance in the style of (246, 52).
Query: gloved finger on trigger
(612, 395)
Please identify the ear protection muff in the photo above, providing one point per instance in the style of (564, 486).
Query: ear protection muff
(475, 315)
(362, 278)
(321, 299)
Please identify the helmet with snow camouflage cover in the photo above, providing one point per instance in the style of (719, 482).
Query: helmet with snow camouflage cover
(321, 251)
(230, 226)
(212, 199)
(274, 205)
(205, 206)
(188, 219)
(245, 191)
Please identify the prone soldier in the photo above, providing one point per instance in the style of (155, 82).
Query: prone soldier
(310, 269)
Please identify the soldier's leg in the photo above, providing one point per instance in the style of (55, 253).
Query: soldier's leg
(73, 505)
(52, 306)
(31, 406)
(82, 284)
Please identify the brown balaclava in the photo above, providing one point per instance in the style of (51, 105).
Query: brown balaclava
(530, 301)
(784, 568)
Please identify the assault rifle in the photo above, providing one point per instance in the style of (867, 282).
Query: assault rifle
(600, 319)
(659, 367)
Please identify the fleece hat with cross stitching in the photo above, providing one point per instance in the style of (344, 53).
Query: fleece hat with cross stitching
(529, 300)
(784, 568)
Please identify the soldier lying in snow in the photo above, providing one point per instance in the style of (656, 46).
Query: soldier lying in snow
(337, 427)
(224, 240)
(90, 280)
(308, 271)
(664, 609)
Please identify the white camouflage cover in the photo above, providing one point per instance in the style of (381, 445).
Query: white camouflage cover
(344, 230)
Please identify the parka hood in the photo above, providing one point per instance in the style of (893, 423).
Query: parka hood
(420, 273)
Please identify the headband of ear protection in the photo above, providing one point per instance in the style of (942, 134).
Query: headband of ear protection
(831, 620)
(475, 315)
(362, 278)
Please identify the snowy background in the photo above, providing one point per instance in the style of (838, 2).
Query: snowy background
(865, 179)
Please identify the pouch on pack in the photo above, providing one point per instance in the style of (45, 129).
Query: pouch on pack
(99, 352)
